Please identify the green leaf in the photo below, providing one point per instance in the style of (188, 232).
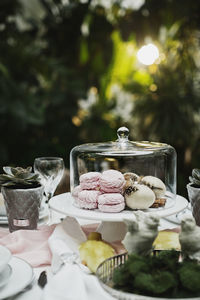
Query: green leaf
(29, 169)
(6, 177)
(14, 171)
(19, 177)
(25, 175)
(7, 170)
(9, 184)
(35, 177)
(196, 174)
(194, 180)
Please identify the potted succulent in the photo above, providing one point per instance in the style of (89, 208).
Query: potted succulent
(22, 194)
(193, 189)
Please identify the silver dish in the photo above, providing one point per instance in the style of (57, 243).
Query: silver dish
(105, 274)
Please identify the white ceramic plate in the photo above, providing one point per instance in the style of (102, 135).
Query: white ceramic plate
(5, 275)
(44, 212)
(5, 256)
(177, 218)
(22, 275)
(63, 204)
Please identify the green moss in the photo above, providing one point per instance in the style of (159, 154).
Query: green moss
(159, 276)
(157, 283)
(190, 276)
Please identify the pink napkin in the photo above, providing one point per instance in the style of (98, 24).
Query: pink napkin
(33, 247)
(30, 245)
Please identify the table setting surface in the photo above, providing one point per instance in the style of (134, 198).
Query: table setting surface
(41, 250)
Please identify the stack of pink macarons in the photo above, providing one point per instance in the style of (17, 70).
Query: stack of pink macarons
(100, 190)
(86, 194)
(111, 187)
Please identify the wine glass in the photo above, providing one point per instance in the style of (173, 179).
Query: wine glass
(50, 170)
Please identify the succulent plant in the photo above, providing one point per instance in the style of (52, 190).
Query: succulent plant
(195, 178)
(19, 178)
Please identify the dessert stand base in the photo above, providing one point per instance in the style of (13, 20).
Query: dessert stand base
(63, 204)
(112, 226)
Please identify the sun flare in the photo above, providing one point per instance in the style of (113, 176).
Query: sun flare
(148, 54)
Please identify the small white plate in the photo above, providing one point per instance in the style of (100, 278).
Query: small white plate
(5, 275)
(5, 256)
(22, 275)
(63, 204)
(177, 218)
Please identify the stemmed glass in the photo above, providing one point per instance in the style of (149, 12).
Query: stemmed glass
(50, 170)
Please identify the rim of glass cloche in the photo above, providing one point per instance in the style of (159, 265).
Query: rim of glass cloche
(123, 145)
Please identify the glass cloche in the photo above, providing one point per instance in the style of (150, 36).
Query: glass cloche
(143, 158)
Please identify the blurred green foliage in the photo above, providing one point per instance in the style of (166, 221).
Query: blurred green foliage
(69, 74)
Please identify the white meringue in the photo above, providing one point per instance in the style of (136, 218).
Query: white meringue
(139, 196)
(156, 184)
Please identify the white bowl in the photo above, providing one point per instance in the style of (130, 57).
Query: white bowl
(5, 256)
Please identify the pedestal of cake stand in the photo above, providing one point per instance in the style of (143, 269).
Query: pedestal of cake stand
(112, 231)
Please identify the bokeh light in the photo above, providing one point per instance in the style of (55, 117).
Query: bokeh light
(148, 54)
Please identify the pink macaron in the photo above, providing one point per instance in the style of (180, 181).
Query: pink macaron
(111, 202)
(77, 189)
(112, 181)
(90, 181)
(88, 199)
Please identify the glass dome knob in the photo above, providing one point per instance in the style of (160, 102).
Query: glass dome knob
(123, 134)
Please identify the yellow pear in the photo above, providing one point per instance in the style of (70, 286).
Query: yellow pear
(93, 252)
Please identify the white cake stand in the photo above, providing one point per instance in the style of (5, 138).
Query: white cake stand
(112, 224)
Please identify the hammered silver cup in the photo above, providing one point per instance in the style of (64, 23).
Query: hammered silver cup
(194, 197)
(22, 207)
